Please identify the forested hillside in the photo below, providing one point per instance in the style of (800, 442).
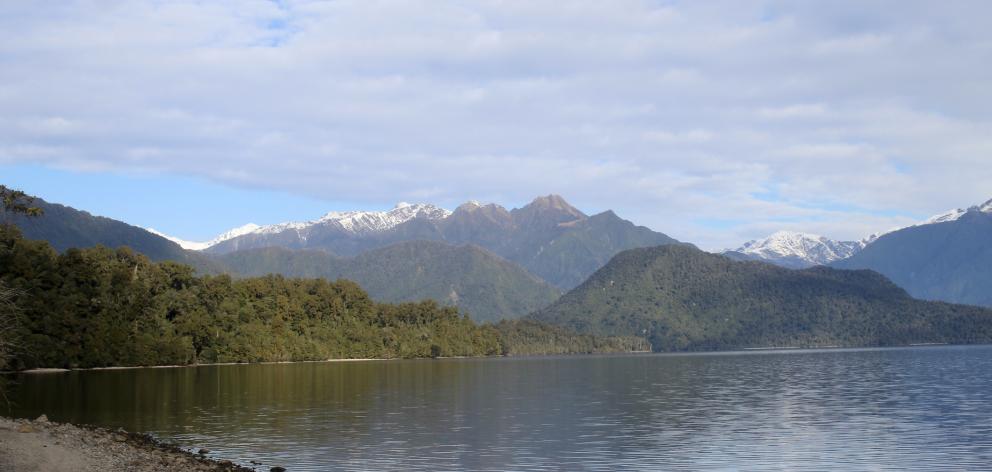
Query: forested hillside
(681, 298)
(102, 307)
(486, 286)
(529, 337)
(65, 227)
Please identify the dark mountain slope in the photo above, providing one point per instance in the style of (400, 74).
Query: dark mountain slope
(681, 298)
(949, 261)
(65, 227)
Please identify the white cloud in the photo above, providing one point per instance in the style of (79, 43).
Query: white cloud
(750, 113)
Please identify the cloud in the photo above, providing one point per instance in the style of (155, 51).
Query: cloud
(757, 113)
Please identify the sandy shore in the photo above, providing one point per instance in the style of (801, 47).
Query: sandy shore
(40, 445)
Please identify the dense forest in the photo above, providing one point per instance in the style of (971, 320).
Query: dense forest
(113, 307)
(101, 307)
(528, 337)
(683, 299)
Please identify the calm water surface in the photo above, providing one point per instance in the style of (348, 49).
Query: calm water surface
(893, 409)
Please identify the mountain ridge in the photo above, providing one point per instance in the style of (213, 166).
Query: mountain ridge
(684, 299)
(531, 236)
(65, 227)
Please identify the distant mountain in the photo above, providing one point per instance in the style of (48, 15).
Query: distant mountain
(548, 237)
(483, 284)
(198, 246)
(801, 250)
(947, 216)
(345, 233)
(795, 250)
(681, 298)
(65, 227)
(947, 258)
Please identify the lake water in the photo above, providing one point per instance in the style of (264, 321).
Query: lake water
(885, 409)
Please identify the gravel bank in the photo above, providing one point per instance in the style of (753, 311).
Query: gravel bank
(40, 445)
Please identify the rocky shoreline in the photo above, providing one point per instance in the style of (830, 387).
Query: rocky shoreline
(42, 445)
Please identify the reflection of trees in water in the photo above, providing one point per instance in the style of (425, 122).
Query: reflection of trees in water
(519, 413)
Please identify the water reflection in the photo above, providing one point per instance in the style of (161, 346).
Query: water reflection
(899, 409)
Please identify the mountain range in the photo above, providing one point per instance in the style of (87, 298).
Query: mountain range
(496, 264)
(548, 237)
(681, 298)
(796, 250)
(626, 281)
(490, 262)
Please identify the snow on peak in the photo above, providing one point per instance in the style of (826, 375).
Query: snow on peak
(362, 222)
(191, 245)
(231, 234)
(199, 246)
(986, 207)
(812, 249)
(952, 215)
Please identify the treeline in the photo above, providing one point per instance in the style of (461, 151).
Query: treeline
(528, 338)
(102, 307)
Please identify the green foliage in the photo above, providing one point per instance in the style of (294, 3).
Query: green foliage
(528, 338)
(9, 324)
(17, 202)
(476, 281)
(102, 307)
(683, 299)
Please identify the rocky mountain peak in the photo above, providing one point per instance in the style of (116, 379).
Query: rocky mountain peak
(549, 209)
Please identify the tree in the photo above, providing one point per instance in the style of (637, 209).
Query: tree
(16, 201)
(8, 324)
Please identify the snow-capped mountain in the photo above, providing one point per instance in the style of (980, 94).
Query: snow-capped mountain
(525, 235)
(199, 246)
(947, 216)
(364, 222)
(800, 250)
(352, 222)
(796, 250)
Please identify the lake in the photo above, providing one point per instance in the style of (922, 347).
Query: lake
(881, 409)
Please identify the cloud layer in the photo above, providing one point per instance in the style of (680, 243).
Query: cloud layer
(714, 122)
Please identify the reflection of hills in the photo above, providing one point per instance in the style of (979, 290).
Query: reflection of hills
(795, 410)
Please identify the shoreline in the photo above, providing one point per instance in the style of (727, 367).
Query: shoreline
(42, 445)
(56, 370)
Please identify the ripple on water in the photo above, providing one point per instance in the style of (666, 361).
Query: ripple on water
(896, 409)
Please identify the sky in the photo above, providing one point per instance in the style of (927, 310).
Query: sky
(713, 122)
